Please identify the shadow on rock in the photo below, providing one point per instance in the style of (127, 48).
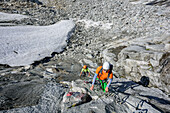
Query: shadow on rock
(84, 99)
(158, 103)
(160, 2)
(123, 86)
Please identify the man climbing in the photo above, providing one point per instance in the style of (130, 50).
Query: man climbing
(103, 74)
(85, 71)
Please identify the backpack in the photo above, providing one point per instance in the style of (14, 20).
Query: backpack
(144, 81)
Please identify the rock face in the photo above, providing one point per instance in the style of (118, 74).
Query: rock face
(133, 35)
(147, 61)
(18, 89)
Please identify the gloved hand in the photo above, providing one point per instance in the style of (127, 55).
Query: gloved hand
(106, 89)
(92, 87)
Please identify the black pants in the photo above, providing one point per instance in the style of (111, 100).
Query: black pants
(84, 74)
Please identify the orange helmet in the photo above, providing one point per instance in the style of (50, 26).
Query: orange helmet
(84, 66)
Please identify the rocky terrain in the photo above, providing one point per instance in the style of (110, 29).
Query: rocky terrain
(133, 35)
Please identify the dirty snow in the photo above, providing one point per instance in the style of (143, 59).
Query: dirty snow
(22, 45)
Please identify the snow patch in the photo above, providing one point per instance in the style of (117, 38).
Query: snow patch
(22, 45)
(10, 17)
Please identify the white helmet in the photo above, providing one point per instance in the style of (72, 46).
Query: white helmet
(106, 66)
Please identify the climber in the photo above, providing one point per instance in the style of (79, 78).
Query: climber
(85, 71)
(103, 74)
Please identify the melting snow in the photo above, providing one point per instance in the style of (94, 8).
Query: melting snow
(22, 45)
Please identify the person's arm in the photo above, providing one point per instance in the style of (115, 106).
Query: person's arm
(94, 79)
(80, 74)
(89, 73)
(109, 82)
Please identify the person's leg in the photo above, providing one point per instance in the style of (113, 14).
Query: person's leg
(105, 85)
(83, 74)
(102, 84)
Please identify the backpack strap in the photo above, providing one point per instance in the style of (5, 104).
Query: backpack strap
(108, 75)
(101, 70)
